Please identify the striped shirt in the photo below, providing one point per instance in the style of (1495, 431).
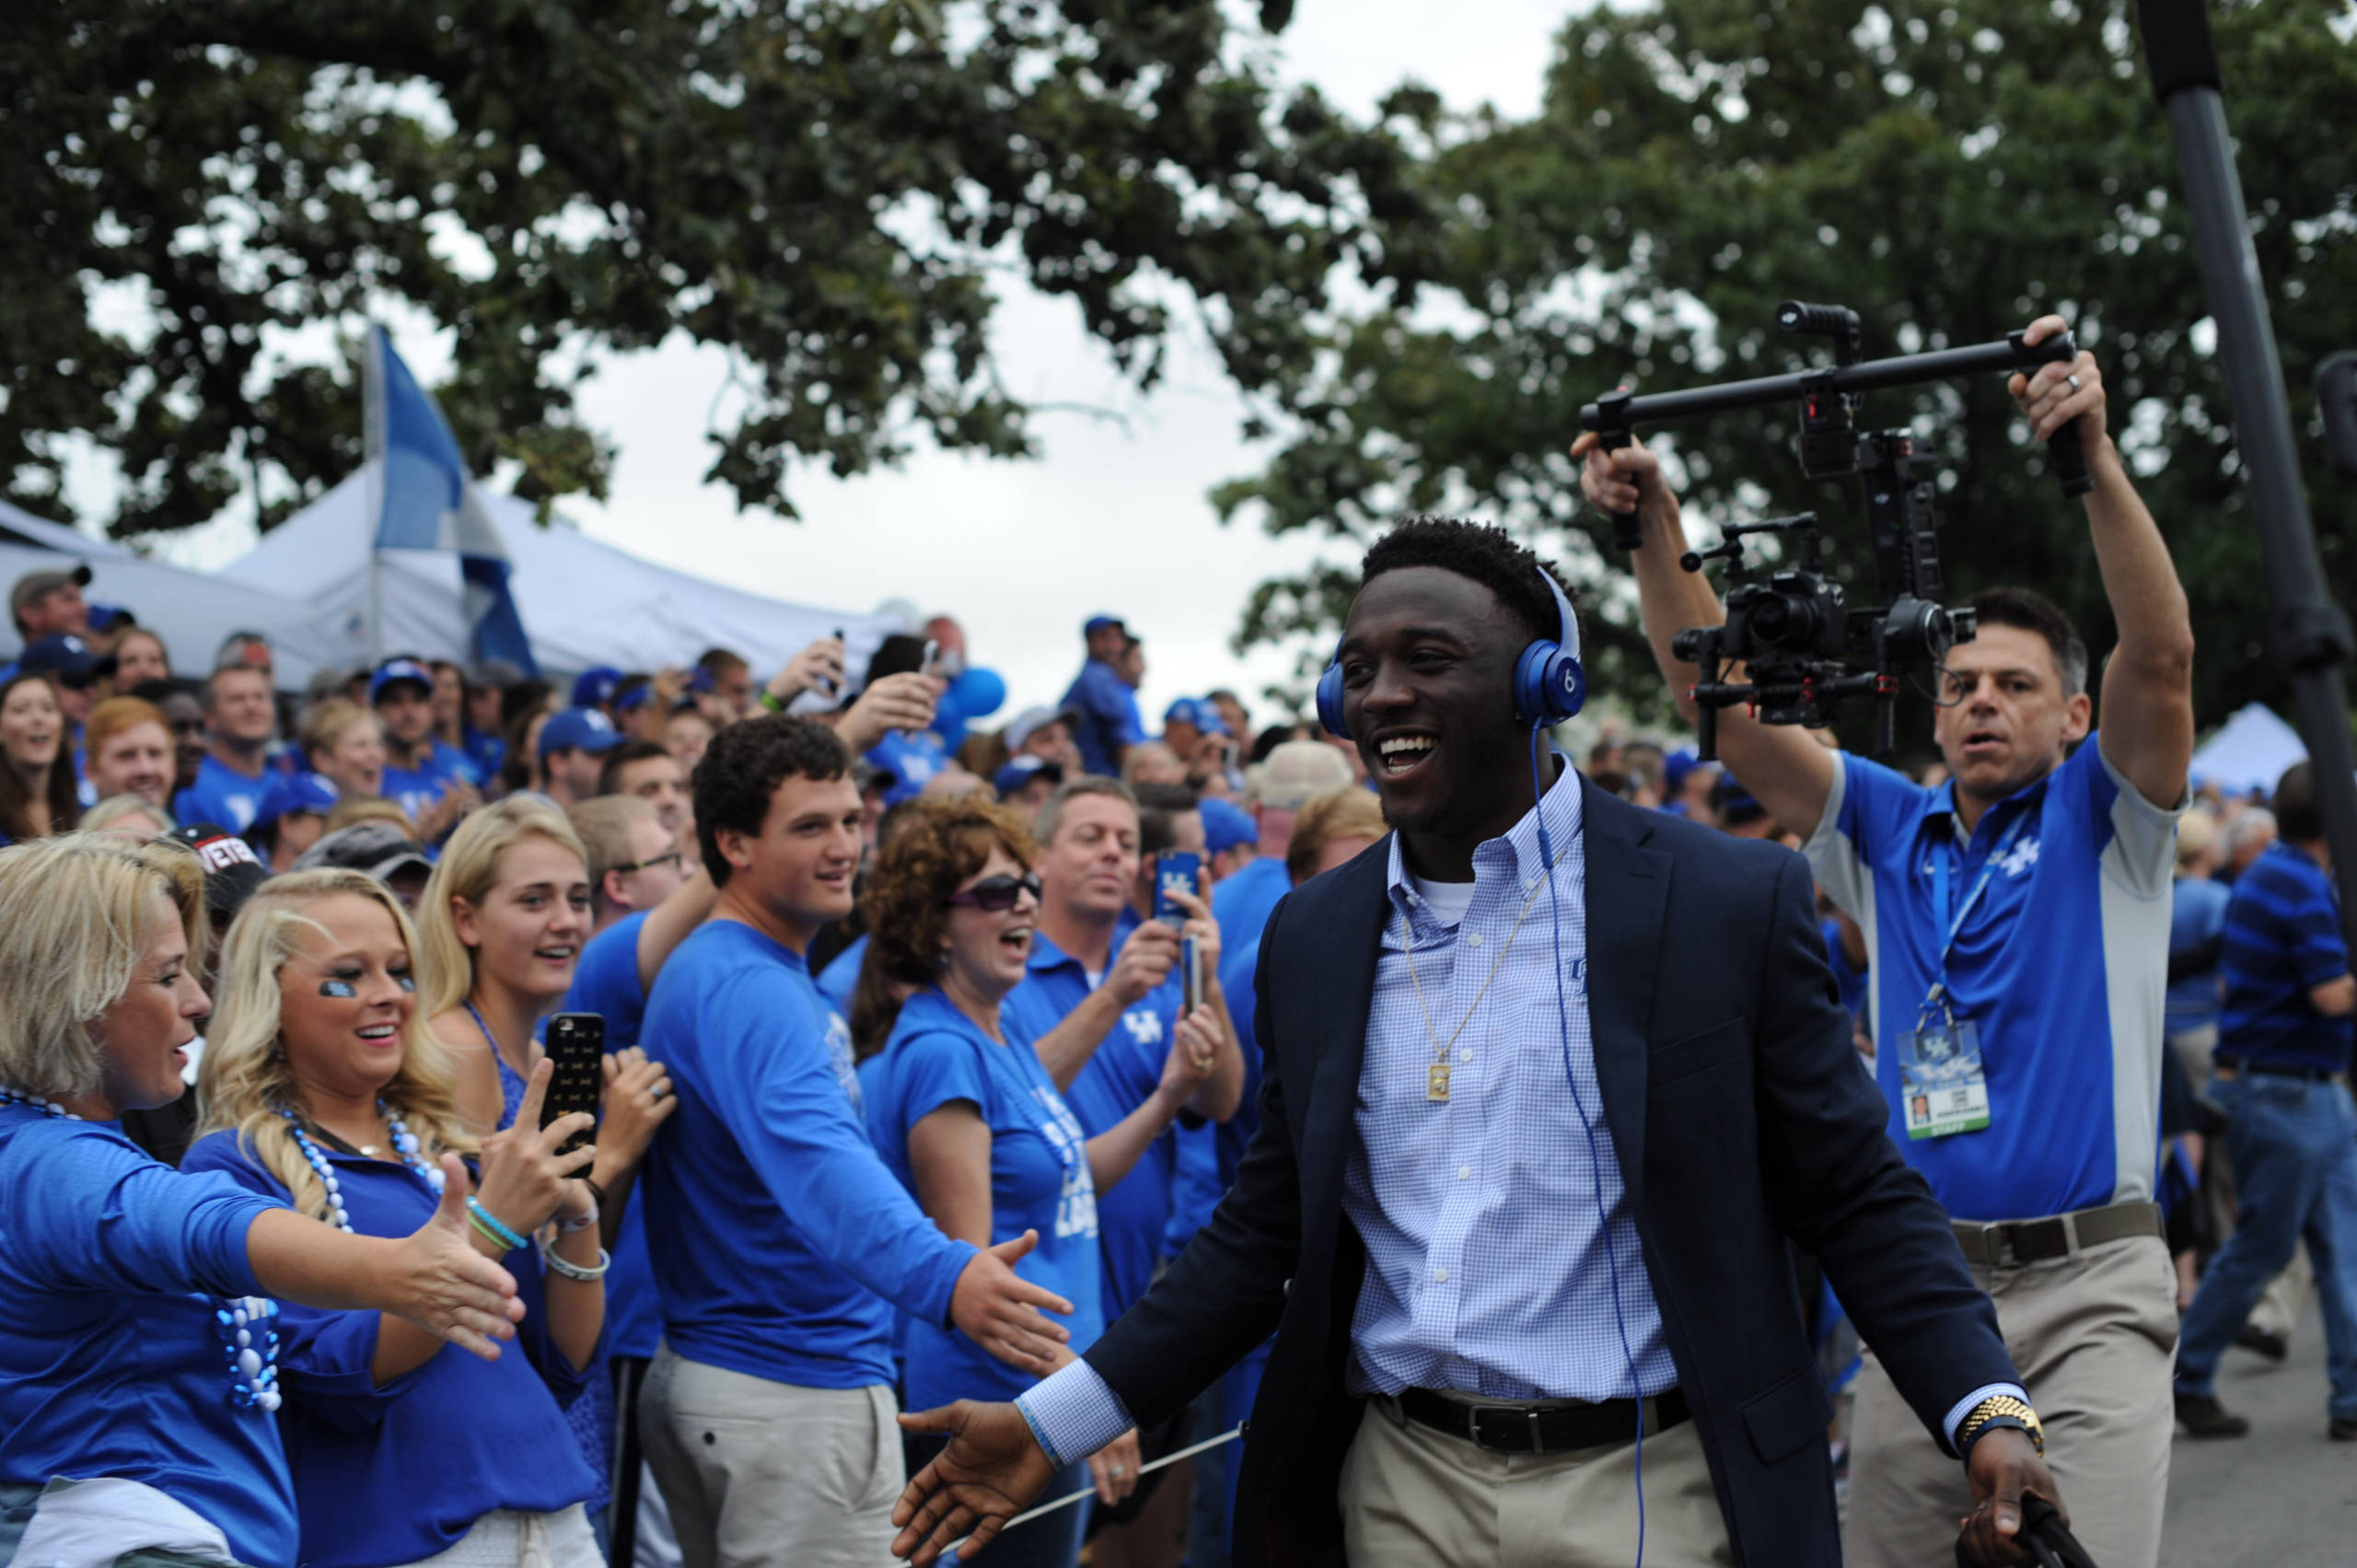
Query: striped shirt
(2282, 940)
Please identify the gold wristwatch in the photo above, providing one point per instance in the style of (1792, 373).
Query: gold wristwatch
(2009, 1412)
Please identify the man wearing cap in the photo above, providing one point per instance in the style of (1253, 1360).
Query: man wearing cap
(573, 751)
(45, 604)
(1027, 783)
(1046, 734)
(1192, 728)
(294, 814)
(245, 650)
(1105, 698)
(377, 849)
(73, 671)
(596, 687)
(1296, 772)
(425, 777)
(1231, 842)
(239, 719)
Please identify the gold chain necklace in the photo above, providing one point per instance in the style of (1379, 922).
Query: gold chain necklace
(1436, 1075)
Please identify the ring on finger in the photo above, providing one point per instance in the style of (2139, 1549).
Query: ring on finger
(2073, 379)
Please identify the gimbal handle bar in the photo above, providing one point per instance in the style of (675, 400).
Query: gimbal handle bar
(1617, 413)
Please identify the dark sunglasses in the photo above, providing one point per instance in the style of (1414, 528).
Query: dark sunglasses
(670, 859)
(997, 894)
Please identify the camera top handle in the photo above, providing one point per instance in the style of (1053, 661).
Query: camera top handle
(1616, 415)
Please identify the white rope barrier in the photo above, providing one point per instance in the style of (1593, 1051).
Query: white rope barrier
(1143, 1470)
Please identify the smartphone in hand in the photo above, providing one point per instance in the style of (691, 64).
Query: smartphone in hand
(1190, 956)
(576, 1043)
(1180, 869)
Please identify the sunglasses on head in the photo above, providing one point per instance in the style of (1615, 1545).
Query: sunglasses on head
(997, 894)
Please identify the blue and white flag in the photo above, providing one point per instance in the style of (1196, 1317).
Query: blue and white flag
(427, 501)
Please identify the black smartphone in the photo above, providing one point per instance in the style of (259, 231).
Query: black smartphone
(576, 1043)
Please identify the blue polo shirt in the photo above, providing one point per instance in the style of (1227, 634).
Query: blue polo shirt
(606, 982)
(1108, 716)
(1241, 903)
(1120, 1076)
(2282, 939)
(398, 1471)
(2060, 963)
(782, 1241)
(223, 795)
(1039, 1176)
(112, 1267)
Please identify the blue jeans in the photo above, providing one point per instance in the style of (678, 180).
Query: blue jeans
(2293, 1144)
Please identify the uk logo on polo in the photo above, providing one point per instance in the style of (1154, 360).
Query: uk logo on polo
(1145, 1026)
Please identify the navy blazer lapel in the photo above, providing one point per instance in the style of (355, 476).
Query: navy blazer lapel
(1627, 895)
(1345, 985)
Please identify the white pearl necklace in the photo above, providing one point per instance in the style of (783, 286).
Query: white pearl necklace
(47, 1108)
(404, 1142)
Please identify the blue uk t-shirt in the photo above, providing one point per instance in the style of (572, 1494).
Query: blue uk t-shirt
(1121, 1077)
(416, 790)
(2060, 963)
(1040, 1179)
(606, 984)
(1108, 716)
(223, 795)
(782, 1241)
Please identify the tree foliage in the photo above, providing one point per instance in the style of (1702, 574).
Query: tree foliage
(1951, 170)
(823, 187)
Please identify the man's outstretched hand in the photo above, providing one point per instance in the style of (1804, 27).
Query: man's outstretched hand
(1001, 1311)
(990, 1471)
(2003, 1465)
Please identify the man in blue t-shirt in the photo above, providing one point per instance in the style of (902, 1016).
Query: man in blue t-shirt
(430, 780)
(2283, 1041)
(1105, 695)
(2016, 926)
(782, 1241)
(239, 718)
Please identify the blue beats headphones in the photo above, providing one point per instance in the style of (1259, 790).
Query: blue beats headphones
(1549, 683)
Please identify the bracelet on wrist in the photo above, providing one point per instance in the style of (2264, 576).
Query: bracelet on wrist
(770, 700)
(490, 1226)
(595, 1191)
(571, 1270)
(579, 1223)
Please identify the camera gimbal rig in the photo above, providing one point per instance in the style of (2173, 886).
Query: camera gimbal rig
(1803, 646)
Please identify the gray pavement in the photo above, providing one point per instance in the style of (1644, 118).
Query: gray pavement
(2282, 1498)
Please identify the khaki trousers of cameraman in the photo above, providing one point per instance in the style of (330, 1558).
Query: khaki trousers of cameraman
(2094, 1335)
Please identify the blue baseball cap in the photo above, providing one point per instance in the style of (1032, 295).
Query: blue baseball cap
(291, 793)
(1096, 623)
(637, 697)
(1196, 712)
(1022, 769)
(62, 655)
(1732, 801)
(107, 617)
(1674, 768)
(394, 670)
(1226, 825)
(595, 687)
(578, 729)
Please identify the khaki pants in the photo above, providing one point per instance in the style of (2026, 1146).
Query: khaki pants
(1412, 1497)
(2093, 1335)
(757, 1473)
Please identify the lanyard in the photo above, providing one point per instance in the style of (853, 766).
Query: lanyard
(1940, 891)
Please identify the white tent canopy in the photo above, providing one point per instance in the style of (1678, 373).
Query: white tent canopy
(583, 603)
(2249, 752)
(192, 612)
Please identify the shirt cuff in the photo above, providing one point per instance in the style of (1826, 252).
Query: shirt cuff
(1965, 1407)
(1073, 1412)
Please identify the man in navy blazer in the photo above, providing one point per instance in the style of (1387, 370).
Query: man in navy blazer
(1551, 1084)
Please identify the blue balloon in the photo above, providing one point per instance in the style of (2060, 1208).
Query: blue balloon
(976, 693)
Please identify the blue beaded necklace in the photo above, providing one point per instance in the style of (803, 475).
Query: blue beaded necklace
(248, 1342)
(404, 1144)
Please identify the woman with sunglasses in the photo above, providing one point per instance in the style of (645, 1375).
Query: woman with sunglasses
(963, 1112)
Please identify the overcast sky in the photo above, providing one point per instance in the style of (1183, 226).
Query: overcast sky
(1105, 519)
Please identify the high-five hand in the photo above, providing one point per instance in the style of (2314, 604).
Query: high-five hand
(1001, 1311)
(990, 1471)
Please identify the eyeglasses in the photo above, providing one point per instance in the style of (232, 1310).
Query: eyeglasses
(670, 859)
(997, 894)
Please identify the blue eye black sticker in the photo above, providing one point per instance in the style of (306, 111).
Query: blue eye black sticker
(407, 982)
(340, 990)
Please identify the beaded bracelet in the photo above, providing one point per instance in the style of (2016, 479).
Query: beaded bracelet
(489, 1224)
(574, 1270)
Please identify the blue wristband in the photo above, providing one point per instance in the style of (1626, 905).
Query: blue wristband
(490, 1222)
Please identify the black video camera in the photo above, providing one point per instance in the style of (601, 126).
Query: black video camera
(1804, 650)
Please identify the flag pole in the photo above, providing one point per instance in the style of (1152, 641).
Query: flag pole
(372, 403)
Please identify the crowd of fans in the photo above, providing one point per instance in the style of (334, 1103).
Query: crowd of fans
(974, 1042)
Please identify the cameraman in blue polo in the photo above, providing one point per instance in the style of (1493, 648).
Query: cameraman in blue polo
(2016, 922)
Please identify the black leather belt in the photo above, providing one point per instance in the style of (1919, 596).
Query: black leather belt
(2011, 1242)
(2270, 1070)
(1540, 1429)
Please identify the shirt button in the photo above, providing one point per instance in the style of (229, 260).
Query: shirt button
(1475, 938)
(1440, 1276)
(1465, 1056)
(1464, 1173)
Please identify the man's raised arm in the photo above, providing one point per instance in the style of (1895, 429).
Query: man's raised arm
(2147, 720)
(1785, 771)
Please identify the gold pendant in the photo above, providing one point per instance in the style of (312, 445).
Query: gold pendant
(1436, 1081)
